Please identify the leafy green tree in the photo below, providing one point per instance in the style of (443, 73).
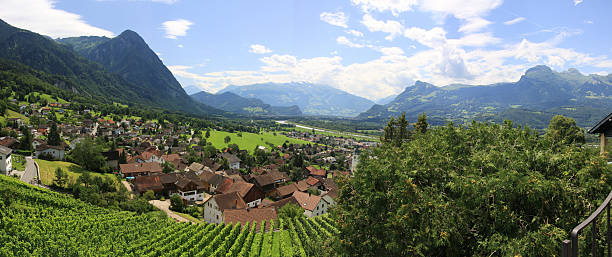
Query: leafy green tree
(421, 125)
(207, 135)
(148, 195)
(54, 137)
(25, 142)
(480, 190)
(227, 139)
(176, 203)
(168, 167)
(61, 178)
(563, 130)
(88, 154)
(290, 211)
(2, 107)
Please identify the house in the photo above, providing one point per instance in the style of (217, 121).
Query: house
(151, 155)
(279, 204)
(190, 189)
(316, 172)
(6, 164)
(285, 191)
(9, 142)
(112, 159)
(143, 184)
(139, 169)
(195, 167)
(53, 152)
(215, 206)
(211, 180)
(269, 181)
(313, 205)
(251, 194)
(604, 129)
(243, 216)
(233, 161)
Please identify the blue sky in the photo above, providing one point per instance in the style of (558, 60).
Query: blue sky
(372, 48)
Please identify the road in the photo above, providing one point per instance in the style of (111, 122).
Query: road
(31, 172)
(165, 207)
(322, 130)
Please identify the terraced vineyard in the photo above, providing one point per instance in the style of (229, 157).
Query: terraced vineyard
(38, 222)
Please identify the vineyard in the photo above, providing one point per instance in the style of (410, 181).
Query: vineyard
(39, 222)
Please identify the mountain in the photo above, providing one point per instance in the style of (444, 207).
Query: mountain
(190, 90)
(386, 100)
(117, 82)
(312, 99)
(129, 56)
(83, 45)
(537, 96)
(231, 102)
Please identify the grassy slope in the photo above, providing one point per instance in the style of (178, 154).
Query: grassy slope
(47, 171)
(249, 141)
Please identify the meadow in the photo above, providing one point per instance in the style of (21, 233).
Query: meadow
(47, 171)
(248, 141)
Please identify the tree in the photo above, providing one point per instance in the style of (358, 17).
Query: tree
(396, 132)
(25, 142)
(290, 211)
(87, 154)
(227, 139)
(168, 167)
(148, 195)
(563, 130)
(2, 108)
(176, 203)
(421, 125)
(207, 135)
(61, 178)
(54, 137)
(122, 158)
(468, 191)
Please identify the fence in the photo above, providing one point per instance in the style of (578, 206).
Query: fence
(570, 247)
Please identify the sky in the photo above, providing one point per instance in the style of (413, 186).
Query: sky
(370, 48)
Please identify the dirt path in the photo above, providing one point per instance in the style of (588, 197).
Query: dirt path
(128, 187)
(165, 207)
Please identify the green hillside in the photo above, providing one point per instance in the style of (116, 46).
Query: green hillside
(39, 222)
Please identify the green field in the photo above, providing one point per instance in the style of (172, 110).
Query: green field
(18, 162)
(47, 171)
(249, 141)
(332, 133)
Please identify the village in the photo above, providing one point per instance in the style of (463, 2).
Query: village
(166, 161)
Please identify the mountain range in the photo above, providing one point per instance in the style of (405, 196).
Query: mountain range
(537, 96)
(312, 99)
(231, 102)
(122, 69)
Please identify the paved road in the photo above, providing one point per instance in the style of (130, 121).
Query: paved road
(31, 173)
(165, 207)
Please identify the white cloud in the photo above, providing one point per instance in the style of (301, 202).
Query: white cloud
(588, 21)
(176, 28)
(259, 49)
(355, 33)
(434, 38)
(345, 41)
(394, 28)
(577, 2)
(392, 51)
(41, 16)
(394, 6)
(336, 19)
(514, 21)
(461, 9)
(180, 46)
(474, 24)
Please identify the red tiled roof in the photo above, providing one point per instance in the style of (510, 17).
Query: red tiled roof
(151, 167)
(286, 190)
(306, 200)
(311, 181)
(249, 215)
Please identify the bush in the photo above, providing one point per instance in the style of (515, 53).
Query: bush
(176, 203)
